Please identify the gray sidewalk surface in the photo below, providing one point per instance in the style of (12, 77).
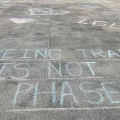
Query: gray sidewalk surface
(59, 60)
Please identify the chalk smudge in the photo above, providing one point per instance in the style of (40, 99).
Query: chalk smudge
(21, 20)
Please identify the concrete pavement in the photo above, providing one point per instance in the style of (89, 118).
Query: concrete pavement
(60, 60)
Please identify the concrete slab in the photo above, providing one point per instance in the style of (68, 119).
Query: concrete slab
(59, 60)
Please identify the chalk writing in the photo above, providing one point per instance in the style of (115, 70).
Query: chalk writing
(9, 53)
(98, 53)
(57, 53)
(53, 94)
(17, 67)
(111, 93)
(101, 98)
(115, 25)
(26, 53)
(36, 75)
(20, 69)
(74, 63)
(63, 94)
(69, 91)
(18, 91)
(46, 11)
(77, 71)
(21, 20)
